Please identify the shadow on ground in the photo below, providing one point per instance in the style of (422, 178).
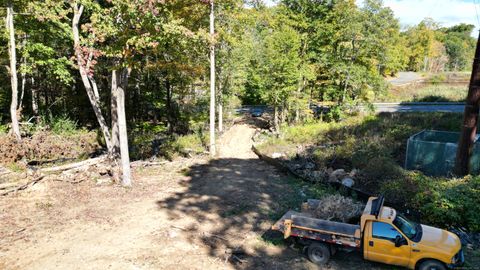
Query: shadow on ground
(232, 204)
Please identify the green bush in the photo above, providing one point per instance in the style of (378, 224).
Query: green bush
(192, 143)
(62, 125)
(376, 146)
(453, 202)
(3, 129)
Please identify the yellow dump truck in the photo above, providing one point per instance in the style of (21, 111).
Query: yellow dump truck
(383, 235)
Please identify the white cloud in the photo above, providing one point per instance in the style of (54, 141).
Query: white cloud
(445, 12)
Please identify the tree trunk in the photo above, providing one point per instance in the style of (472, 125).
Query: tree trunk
(34, 99)
(115, 152)
(13, 71)
(470, 118)
(212, 149)
(220, 108)
(275, 119)
(170, 116)
(23, 75)
(122, 82)
(220, 116)
(87, 83)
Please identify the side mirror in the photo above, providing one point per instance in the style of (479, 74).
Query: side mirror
(399, 241)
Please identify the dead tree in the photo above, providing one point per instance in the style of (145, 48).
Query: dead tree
(13, 71)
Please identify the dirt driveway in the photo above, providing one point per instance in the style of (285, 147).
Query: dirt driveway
(187, 214)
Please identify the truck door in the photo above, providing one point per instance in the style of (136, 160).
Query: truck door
(380, 244)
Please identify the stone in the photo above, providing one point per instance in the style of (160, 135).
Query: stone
(277, 155)
(348, 182)
(336, 175)
(317, 175)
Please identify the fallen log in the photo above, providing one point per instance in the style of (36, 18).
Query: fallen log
(85, 163)
(9, 185)
(142, 163)
(22, 187)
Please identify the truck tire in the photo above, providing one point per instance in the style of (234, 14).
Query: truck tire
(432, 265)
(318, 253)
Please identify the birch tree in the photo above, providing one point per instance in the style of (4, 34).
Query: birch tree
(13, 70)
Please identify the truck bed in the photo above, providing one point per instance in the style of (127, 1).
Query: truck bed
(305, 226)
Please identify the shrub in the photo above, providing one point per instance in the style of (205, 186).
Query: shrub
(3, 129)
(62, 125)
(192, 143)
(453, 202)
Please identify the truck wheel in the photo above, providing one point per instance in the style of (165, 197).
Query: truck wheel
(431, 265)
(318, 253)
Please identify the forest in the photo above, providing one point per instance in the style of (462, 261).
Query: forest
(139, 69)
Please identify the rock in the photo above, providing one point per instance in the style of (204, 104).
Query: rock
(353, 173)
(104, 181)
(330, 171)
(336, 175)
(317, 175)
(277, 155)
(348, 182)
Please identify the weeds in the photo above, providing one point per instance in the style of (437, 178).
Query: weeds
(376, 146)
(433, 92)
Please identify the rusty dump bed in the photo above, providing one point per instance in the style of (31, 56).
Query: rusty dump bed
(304, 226)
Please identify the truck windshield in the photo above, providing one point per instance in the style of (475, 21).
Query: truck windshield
(406, 226)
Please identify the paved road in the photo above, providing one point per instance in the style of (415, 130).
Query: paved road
(405, 78)
(419, 107)
(387, 107)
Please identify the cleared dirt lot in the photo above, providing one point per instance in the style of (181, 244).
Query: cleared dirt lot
(187, 214)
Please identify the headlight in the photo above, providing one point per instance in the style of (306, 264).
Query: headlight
(454, 259)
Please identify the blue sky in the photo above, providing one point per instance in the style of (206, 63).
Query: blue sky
(446, 12)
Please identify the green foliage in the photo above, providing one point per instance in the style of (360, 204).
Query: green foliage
(376, 146)
(63, 125)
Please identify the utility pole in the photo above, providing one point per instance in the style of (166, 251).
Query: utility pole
(212, 81)
(470, 118)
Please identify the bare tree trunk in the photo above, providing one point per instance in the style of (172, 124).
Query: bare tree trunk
(297, 105)
(220, 116)
(168, 102)
(220, 108)
(122, 82)
(34, 99)
(23, 75)
(115, 153)
(13, 71)
(212, 148)
(275, 119)
(90, 85)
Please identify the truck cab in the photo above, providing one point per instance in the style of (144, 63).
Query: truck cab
(389, 237)
(383, 235)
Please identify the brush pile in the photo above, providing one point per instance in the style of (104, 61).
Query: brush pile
(334, 207)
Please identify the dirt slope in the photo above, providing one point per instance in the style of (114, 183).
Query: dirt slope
(187, 214)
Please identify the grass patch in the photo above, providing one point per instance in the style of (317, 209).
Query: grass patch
(149, 140)
(431, 92)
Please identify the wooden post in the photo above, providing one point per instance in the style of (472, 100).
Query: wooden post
(470, 118)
